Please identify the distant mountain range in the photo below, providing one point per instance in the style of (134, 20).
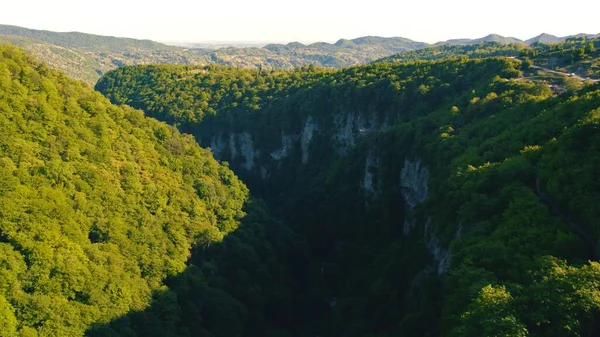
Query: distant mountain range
(394, 44)
(488, 38)
(87, 56)
(547, 38)
(542, 38)
(344, 52)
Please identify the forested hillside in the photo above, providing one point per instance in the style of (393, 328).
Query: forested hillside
(578, 55)
(575, 55)
(98, 204)
(84, 41)
(454, 197)
(550, 39)
(86, 56)
(495, 38)
(478, 50)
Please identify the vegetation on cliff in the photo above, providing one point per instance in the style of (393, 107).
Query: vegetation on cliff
(500, 241)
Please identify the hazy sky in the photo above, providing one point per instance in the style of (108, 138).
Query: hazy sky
(305, 20)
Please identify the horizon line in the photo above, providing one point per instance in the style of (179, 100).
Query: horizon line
(306, 42)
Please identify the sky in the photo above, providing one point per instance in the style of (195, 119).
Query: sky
(305, 20)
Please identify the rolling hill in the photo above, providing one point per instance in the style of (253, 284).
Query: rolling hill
(98, 204)
(90, 42)
(343, 53)
(86, 57)
(489, 38)
(550, 39)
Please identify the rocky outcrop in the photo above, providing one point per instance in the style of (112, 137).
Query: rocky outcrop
(287, 143)
(344, 133)
(240, 144)
(264, 174)
(350, 127)
(369, 181)
(413, 182)
(217, 145)
(307, 134)
(413, 185)
(232, 147)
(440, 255)
(247, 150)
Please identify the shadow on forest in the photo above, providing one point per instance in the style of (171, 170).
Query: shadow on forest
(258, 281)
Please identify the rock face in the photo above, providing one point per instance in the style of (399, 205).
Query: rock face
(232, 148)
(350, 127)
(371, 165)
(238, 144)
(413, 182)
(344, 133)
(307, 134)
(247, 150)
(264, 174)
(440, 255)
(287, 143)
(217, 145)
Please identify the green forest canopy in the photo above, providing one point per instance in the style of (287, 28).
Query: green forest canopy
(512, 188)
(101, 205)
(98, 204)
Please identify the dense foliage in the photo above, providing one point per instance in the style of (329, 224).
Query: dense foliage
(505, 242)
(186, 94)
(98, 204)
(252, 284)
(75, 63)
(450, 197)
(479, 50)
